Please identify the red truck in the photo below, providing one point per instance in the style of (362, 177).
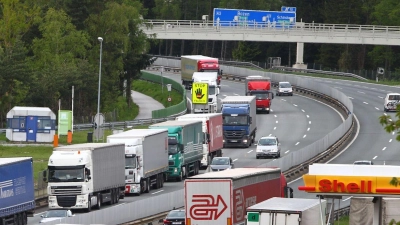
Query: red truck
(213, 133)
(220, 198)
(198, 63)
(261, 88)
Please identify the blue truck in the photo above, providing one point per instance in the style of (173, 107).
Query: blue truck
(239, 120)
(17, 192)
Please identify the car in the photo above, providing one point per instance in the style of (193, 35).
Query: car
(174, 217)
(284, 88)
(221, 163)
(268, 146)
(363, 162)
(391, 102)
(55, 214)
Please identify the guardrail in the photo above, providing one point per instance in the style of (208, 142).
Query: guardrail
(291, 69)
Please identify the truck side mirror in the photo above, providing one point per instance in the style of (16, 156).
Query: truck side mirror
(208, 137)
(250, 120)
(44, 173)
(218, 91)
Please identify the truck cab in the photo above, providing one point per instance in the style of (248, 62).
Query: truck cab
(176, 155)
(260, 87)
(211, 78)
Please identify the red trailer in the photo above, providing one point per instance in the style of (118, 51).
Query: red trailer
(261, 88)
(221, 198)
(198, 63)
(212, 129)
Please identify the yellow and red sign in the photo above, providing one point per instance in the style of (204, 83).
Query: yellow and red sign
(352, 185)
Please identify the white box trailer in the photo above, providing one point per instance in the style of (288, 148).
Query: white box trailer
(211, 79)
(287, 211)
(146, 158)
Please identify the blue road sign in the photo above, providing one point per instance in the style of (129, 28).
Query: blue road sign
(241, 17)
(288, 9)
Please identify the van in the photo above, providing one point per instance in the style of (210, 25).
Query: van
(391, 102)
(284, 88)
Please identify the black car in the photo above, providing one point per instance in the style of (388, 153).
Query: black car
(175, 217)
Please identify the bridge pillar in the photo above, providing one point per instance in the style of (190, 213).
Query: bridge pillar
(299, 57)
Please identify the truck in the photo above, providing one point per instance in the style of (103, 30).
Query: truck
(261, 88)
(185, 147)
(285, 211)
(197, 63)
(211, 79)
(212, 131)
(239, 120)
(222, 197)
(82, 176)
(17, 192)
(146, 158)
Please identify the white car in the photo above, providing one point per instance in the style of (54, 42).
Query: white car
(268, 147)
(56, 214)
(284, 88)
(391, 102)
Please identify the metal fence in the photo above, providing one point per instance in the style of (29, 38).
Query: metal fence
(172, 110)
(40, 186)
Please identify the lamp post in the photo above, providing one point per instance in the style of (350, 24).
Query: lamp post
(98, 91)
(169, 86)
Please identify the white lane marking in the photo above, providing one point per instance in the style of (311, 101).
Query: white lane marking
(365, 103)
(270, 135)
(303, 110)
(271, 110)
(383, 149)
(376, 108)
(373, 88)
(309, 122)
(308, 116)
(385, 114)
(275, 115)
(393, 133)
(308, 129)
(305, 136)
(283, 100)
(235, 94)
(390, 120)
(274, 128)
(375, 157)
(295, 105)
(224, 95)
(347, 147)
(350, 97)
(390, 140)
(380, 97)
(157, 192)
(341, 116)
(277, 121)
(347, 199)
(287, 151)
(361, 92)
(235, 160)
(338, 87)
(297, 143)
(249, 151)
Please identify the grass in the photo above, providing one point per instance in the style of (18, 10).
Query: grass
(345, 220)
(154, 90)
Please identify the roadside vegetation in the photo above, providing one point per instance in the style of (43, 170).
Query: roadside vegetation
(154, 90)
(345, 220)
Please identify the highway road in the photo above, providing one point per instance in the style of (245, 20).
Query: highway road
(296, 120)
(372, 141)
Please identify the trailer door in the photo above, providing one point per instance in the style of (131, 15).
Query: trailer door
(273, 218)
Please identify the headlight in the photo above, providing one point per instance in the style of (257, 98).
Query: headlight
(175, 170)
(245, 141)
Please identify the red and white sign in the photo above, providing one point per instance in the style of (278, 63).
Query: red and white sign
(208, 202)
(169, 99)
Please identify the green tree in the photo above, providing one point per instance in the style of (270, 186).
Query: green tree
(246, 51)
(392, 125)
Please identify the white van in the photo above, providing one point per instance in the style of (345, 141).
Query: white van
(391, 102)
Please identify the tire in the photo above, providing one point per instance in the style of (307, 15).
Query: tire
(112, 197)
(20, 219)
(98, 206)
(197, 168)
(89, 208)
(147, 185)
(180, 178)
(257, 157)
(24, 218)
(116, 195)
(267, 111)
(162, 180)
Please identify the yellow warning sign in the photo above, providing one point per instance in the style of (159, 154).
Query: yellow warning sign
(199, 93)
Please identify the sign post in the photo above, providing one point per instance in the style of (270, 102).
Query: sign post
(169, 87)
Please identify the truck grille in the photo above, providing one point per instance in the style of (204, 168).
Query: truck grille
(210, 99)
(234, 133)
(66, 190)
(171, 163)
(66, 201)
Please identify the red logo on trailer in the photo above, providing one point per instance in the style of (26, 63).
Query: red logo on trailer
(207, 207)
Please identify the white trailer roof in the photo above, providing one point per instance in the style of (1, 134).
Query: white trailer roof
(86, 146)
(196, 57)
(354, 170)
(284, 204)
(138, 133)
(198, 116)
(235, 173)
(237, 99)
(5, 161)
(30, 111)
(174, 123)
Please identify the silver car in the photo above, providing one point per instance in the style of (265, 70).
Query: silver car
(221, 163)
(284, 88)
(268, 147)
(55, 214)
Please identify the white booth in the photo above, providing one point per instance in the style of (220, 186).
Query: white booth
(31, 124)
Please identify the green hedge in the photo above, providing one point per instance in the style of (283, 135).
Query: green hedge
(172, 110)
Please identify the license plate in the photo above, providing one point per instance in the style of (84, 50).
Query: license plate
(176, 223)
(234, 141)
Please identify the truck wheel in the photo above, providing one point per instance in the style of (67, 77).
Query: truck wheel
(24, 218)
(147, 185)
(180, 178)
(162, 180)
(19, 219)
(98, 206)
(116, 195)
(112, 197)
(267, 111)
(89, 208)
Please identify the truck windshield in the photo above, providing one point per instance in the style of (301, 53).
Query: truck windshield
(130, 162)
(235, 120)
(172, 149)
(65, 174)
(260, 95)
(211, 90)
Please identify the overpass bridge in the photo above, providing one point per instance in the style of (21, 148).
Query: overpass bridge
(299, 33)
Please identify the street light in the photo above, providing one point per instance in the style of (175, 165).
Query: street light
(98, 91)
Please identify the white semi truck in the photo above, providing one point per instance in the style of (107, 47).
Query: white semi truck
(81, 176)
(146, 158)
(211, 79)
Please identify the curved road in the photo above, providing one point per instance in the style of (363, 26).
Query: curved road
(296, 120)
